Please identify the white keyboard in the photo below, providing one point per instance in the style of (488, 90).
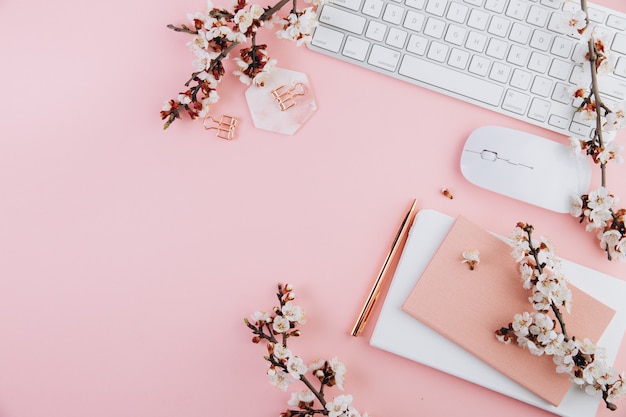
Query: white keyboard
(509, 56)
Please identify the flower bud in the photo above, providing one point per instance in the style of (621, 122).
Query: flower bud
(447, 193)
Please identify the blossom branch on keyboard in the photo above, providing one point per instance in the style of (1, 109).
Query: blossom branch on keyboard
(584, 362)
(218, 32)
(597, 208)
(285, 368)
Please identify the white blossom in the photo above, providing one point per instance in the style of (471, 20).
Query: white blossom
(527, 274)
(575, 20)
(281, 324)
(261, 78)
(301, 397)
(575, 146)
(620, 249)
(184, 99)
(281, 352)
(293, 312)
(615, 120)
(575, 206)
(521, 324)
(279, 378)
(338, 405)
(339, 370)
(611, 151)
(299, 27)
(543, 329)
(260, 317)
(471, 257)
(600, 199)
(296, 366)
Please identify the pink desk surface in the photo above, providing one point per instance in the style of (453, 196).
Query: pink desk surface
(129, 255)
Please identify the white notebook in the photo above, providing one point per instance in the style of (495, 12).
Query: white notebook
(401, 334)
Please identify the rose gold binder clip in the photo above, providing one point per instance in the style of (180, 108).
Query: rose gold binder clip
(285, 98)
(225, 126)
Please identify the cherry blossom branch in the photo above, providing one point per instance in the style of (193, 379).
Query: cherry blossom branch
(540, 266)
(276, 327)
(585, 363)
(597, 208)
(595, 90)
(275, 8)
(217, 33)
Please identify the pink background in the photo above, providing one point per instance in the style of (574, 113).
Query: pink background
(129, 255)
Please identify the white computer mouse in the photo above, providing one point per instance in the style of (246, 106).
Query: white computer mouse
(526, 167)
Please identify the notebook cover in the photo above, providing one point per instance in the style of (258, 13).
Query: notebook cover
(467, 307)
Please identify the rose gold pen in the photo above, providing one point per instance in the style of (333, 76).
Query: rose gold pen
(397, 244)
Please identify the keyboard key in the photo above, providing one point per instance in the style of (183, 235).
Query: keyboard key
(476, 41)
(516, 102)
(396, 37)
(620, 67)
(452, 81)
(457, 12)
(434, 27)
(479, 65)
(562, 47)
(417, 44)
(619, 43)
(580, 129)
(542, 86)
(414, 21)
(436, 7)
(540, 40)
(384, 58)
(560, 69)
(538, 16)
(455, 35)
(497, 48)
(458, 58)
(518, 55)
(438, 51)
(539, 109)
(342, 19)
(376, 30)
(596, 15)
(349, 4)
(521, 79)
(613, 86)
(495, 5)
(328, 39)
(356, 48)
(558, 121)
(416, 4)
(556, 23)
(520, 33)
(373, 7)
(393, 14)
(517, 9)
(538, 62)
(555, 4)
(616, 22)
(498, 26)
(562, 94)
(500, 72)
(478, 19)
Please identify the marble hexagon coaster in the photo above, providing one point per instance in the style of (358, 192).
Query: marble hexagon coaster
(283, 104)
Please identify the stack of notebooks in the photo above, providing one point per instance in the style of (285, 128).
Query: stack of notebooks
(440, 313)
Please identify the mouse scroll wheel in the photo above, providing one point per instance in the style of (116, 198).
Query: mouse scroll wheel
(489, 155)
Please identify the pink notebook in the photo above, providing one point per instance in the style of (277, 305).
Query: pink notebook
(468, 306)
